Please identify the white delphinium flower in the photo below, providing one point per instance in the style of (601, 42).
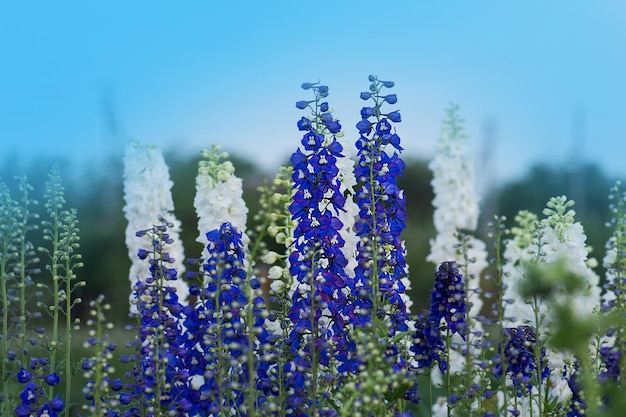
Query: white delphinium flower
(456, 208)
(557, 239)
(614, 260)
(517, 256)
(147, 193)
(456, 202)
(440, 408)
(562, 239)
(219, 197)
(351, 213)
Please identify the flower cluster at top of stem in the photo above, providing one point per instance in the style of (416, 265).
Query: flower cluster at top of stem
(317, 261)
(381, 279)
(219, 196)
(147, 194)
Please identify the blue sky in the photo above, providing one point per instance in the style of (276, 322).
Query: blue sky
(79, 79)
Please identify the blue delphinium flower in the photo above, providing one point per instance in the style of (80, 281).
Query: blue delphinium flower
(33, 398)
(381, 219)
(159, 373)
(428, 344)
(610, 357)
(216, 340)
(577, 404)
(448, 299)
(316, 261)
(379, 305)
(520, 361)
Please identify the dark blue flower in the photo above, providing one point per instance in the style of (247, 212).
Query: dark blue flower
(23, 376)
(428, 344)
(577, 404)
(30, 394)
(394, 116)
(52, 379)
(364, 127)
(519, 359)
(317, 263)
(448, 299)
(56, 404)
(304, 124)
(391, 98)
(302, 104)
(377, 290)
(610, 357)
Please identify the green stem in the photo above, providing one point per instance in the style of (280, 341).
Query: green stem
(448, 376)
(68, 334)
(5, 331)
(538, 361)
(501, 338)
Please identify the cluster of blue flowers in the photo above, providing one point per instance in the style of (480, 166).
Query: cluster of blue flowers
(382, 215)
(447, 306)
(33, 397)
(317, 261)
(520, 361)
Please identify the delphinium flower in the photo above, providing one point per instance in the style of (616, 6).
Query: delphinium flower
(147, 196)
(520, 366)
(447, 317)
(428, 344)
(455, 218)
(35, 379)
(316, 261)
(275, 219)
(379, 305)
(517, 255)
(159, 376)
(228, 370)
(100, 387)
(17, 266)
(611, 346)
(62, 234)
(557, 239)
(498, 304)
(219, 196)
(577, 405)
(8, 234)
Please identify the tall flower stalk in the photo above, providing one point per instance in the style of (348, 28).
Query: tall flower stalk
(9, 227)
(379, 304)
(62, 233)
(148, 197)
(158, 372)
(317, 261)
(455, 218)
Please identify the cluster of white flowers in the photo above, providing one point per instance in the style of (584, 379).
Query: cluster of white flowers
(456, 209)
(219, 197)
(556, 238)
(347, 217)
(147, 194)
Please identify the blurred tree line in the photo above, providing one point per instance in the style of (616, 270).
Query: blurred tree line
(98, 197)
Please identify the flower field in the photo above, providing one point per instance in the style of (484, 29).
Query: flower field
(520, 325)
